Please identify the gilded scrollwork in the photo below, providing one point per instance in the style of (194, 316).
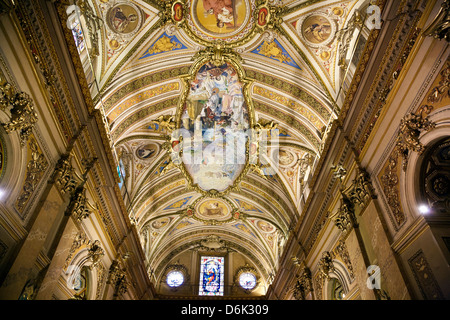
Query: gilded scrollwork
(342, 251)
(95, 253)
(35, 170)
(411, 126)
(443, 89)
(326, 265)
(23, 117)
(390, 184)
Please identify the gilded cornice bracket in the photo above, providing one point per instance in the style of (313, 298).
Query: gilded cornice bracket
(217, 53)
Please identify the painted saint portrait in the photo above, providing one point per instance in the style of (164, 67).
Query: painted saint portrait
(316, 29)
(220, 16)
(123, 18)
(215, 109)
(146, 151)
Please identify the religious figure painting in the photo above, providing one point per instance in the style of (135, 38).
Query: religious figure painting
(146, 151)
(316, 29)
(215, 110)
(211, 276)
(220, 16)
(123, 18)
(213, 208)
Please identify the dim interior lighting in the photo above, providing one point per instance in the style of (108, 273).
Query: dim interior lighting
(424, 209)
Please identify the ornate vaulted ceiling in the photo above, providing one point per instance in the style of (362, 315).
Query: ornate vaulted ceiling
(146, 58)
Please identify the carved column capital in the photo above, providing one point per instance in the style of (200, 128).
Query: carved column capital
(303, 285)
(344, 218)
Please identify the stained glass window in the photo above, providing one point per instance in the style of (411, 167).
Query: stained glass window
(78, 36)
(211, 276)
(247, 280)
(175, 279)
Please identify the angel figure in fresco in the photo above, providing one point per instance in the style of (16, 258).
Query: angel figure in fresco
(319, 31)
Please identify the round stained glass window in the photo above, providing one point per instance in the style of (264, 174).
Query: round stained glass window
(247, 280)
(175, 279)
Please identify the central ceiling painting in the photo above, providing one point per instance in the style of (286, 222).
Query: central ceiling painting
(216, 120)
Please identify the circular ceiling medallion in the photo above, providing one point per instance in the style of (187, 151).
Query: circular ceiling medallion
(213, 209)
(228, 20)
(161, 223)
(124, 18)
(147, 151)
(284, 157)
(265, 226)
(317, 29)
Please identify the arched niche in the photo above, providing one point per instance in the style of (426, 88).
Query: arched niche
(13, 157)
(78, 271)
(338, 284)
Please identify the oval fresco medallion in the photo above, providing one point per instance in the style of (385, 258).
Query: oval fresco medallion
(161, 223)
(214, 125)
(213, 209)
(265, 226)
(229, 20)
(317, 29)
(123, 18)
(147, 151)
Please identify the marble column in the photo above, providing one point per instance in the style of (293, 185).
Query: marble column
(55, 269)
(358, 258)
(21, 269)
(384, 257)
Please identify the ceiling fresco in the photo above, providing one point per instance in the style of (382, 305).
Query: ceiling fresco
(218, 110)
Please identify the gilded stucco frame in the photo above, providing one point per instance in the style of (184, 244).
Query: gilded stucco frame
(218, 56)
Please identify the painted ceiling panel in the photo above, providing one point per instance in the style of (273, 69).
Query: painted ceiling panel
(216, 69)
